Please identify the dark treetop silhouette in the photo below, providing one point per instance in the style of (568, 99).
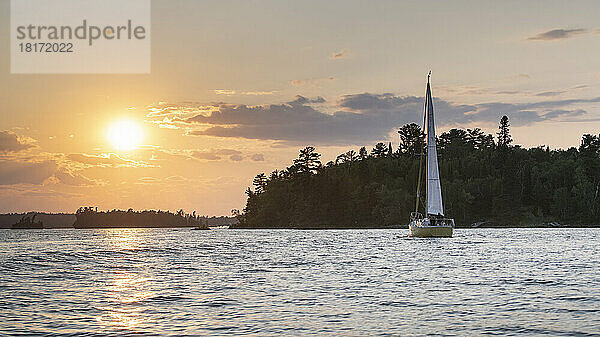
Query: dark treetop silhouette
(484, 181)
(88, 217)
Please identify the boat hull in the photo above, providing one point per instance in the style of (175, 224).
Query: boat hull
(431, 227)
(430, 231)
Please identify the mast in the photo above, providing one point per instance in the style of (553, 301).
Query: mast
(434, 188)
(421, 155)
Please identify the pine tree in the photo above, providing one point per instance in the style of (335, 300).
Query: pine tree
(412, 139)
(351, 156)
(362, 153)
(379, 150)
(259, 182)
(340, 159)
(504, 138)
(308, 160)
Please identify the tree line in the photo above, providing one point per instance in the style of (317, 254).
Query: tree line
(484, 179)
(90, 217)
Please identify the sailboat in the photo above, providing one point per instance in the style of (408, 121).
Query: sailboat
(432, 222)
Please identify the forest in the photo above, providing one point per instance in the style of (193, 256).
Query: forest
(485, 180)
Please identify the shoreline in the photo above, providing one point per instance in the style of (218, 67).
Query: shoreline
(313, 228)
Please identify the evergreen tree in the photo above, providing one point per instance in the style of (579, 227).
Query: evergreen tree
(362, 153)
(351, 156)
(412, 139)
(259, 183)
(308, 160)
(347, 157)
(340, 159)
(504, 138)
(478, 139)
(379, 150)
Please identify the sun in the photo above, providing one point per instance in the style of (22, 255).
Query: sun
(125, 135)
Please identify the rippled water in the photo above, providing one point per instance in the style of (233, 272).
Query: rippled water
(353, 282)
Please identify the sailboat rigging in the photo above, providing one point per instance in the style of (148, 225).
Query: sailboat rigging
(432, 222)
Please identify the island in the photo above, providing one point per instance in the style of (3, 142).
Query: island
(27, 222)
(89, 217)
(487, 182)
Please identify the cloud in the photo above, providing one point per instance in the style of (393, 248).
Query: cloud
(105, 160)
(175, 179)
(559, 113)
(339, 55)
(550, 93)
(174, 111)
(508, 92)
(227, 92)
(313, 82)
(473, 90)
(528, 113)
(10, 142)
(257, 157)
(230, 92)
(300, 100)
(258, 93)
(149, 180)
(275, 114)
(205, 155)
(557, 34)
(73, 178)
(218, 154)
(25, 172)
(362, 118)
(165, 123)
(170, 180)
(227, 152)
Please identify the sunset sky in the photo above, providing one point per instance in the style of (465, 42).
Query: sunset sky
(237, 87)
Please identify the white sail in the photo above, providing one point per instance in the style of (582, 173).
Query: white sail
(434, 189)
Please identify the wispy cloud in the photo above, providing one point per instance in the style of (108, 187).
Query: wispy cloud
(339, 55)
(218, 154)
(258, 93)
(72, 177)
(230, 92)
(557, 34)
(227, 92)
(550, 93)
(312, 82)
(105, 160)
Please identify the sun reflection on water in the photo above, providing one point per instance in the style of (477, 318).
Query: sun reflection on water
(128, 288)
(125, 297)
(125, 239)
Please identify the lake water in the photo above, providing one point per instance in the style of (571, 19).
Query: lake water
(273, 282)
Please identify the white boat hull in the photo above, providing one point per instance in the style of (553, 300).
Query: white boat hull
(423, 228)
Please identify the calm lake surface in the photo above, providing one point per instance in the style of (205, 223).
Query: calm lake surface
(273, 282)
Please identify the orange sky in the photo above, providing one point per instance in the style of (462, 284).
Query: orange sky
(236, 88)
